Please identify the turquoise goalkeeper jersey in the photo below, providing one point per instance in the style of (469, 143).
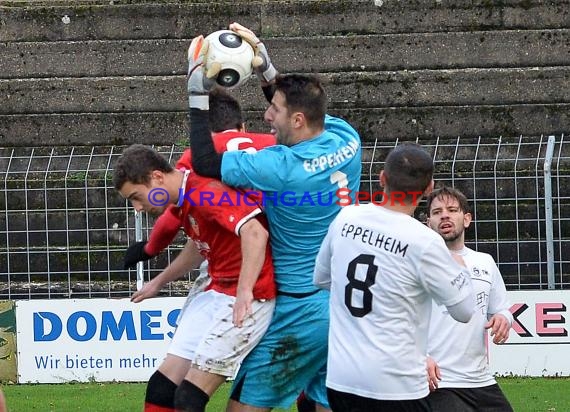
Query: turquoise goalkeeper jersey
(303, 188)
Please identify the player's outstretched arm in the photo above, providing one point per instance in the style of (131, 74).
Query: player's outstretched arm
(162, 234)
(135, 253)
(254, 239)
(205, 160)
(189, 258)
(199, 80)
(164, 231)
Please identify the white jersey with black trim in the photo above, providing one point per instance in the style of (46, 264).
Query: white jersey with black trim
(460, 349)
(383, 269)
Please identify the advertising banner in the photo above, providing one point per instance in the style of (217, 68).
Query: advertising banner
(106, 339)
(93, 339)
(538, 344)
(7, 342)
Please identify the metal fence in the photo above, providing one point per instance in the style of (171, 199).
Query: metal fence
(64, 229)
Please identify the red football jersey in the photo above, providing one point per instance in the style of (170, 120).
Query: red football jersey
(231, 140)
(173, 219)
(212, 215)
(168, 224)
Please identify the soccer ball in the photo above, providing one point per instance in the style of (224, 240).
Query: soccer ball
(233, 54)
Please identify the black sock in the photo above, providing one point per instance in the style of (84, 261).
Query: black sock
(160, 392)
(190, 398)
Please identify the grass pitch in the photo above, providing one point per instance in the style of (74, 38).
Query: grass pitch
(525, 394)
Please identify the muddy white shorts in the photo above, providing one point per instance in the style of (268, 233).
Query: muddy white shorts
(207, 336)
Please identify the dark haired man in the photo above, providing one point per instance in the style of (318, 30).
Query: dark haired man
(228, 133)
(383, 267)
(222, 324)
(315, 156)
(458, 370)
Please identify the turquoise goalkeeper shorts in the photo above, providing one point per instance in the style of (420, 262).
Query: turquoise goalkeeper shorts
(290, 358)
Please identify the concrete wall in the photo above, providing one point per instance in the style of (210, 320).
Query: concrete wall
(115, 74)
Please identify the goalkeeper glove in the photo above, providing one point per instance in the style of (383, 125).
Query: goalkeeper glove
(261, 63)
(200, 79)
(135, 254)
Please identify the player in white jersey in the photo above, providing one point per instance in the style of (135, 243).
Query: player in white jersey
(383, 268)
(458, 364)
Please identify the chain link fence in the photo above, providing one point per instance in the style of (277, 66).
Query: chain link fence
(64, 229)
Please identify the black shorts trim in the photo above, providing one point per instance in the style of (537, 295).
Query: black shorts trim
(482, 399)
(348, 402)
(297, 295)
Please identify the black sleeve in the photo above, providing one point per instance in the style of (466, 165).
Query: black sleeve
(268, 91)
(205, 160)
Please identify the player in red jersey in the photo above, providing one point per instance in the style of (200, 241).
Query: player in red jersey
(226, 123)
(221, 325)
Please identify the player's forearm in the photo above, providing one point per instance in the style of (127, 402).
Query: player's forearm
(268, 90)
(322, 271)
(463, 311)
(188, 259)
(322, 277)
(205, 160)
(498, 300)
(254, 239)
(162, 234)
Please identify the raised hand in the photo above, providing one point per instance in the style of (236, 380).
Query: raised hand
(200, 79)
(261, 63)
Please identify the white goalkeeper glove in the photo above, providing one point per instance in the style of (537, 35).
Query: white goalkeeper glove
(261, 62)
(200, 79)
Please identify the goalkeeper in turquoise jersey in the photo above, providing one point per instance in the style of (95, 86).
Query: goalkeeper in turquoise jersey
(299, 178)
